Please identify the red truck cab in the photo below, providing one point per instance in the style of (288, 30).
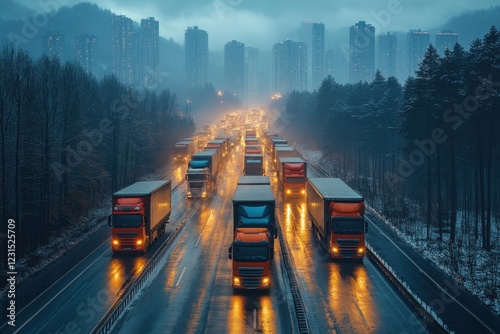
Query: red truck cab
(251, 254)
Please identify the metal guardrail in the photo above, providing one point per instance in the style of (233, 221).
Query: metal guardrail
(114, 313)
(423, 309)
(298, 304)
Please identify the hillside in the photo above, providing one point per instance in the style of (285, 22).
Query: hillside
(473, 24)
(83, 18)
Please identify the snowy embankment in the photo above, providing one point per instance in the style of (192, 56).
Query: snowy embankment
(466, 262)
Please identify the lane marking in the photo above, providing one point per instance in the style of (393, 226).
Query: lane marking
(197, 241)
(254, 318)
(57, 295)
(430, 278)
(180, 277)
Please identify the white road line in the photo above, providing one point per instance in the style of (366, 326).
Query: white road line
(430, 278)
(61, 291)
(254, 318)
(180, 277)
(197, 241)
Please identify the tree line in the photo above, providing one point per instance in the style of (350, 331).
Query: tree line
(425, 151)
(67, 141)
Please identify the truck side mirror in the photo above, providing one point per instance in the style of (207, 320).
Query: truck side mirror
(230, 252)
(109, 220)
(366, 226)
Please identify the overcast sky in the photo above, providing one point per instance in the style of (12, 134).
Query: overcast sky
(263, 22)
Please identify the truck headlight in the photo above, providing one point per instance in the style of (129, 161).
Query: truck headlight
(115, 242)
(288, 191)
(335, 250)
(361, 250)
(138, 242)
(266, 281)
(236, 281)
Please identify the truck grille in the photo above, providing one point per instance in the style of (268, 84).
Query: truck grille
(348, 242)
(251, 271)
(126, 235)
(348, 252)
(250, 282)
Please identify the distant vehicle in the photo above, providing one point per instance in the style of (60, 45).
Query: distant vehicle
(337, 215)
(202, 172)
(140, 214)
(183, 150)
(292, 176)
(253, 164)
(254, 229)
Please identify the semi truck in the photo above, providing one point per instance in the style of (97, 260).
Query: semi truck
(183, 150)
(201, 174)
(337, 215)
(281, 152)
(254, 229)
(140, 213)
(253, 164)
(252, 149)
(292, 176)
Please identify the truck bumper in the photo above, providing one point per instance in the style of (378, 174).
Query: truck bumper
(251, 283)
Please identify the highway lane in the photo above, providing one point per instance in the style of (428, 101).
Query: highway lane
(193, 294)
(460, 310)
(340, 297)
(78, 300)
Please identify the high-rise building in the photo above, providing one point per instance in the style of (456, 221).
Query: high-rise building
(289, 61)
(306, 37)
(234, 68)
(418, 42)
(388, 54)
(318, 54)
(53, 45)
(196, 56)
(445, 39)
(361, 52)
(124, 50)
(252, 70)
(329, 62)
(149, 53)
(86, 53)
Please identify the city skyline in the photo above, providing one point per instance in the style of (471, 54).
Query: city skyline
(262, 24)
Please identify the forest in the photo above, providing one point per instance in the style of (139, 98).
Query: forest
(67, 141)
(425, 154)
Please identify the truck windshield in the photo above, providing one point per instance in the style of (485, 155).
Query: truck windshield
(348, 226)
(127, 221)
(250, 253)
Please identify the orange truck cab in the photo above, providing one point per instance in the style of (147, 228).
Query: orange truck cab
(251, 254)
(254, 229)
(140, 214)
(337, 215)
